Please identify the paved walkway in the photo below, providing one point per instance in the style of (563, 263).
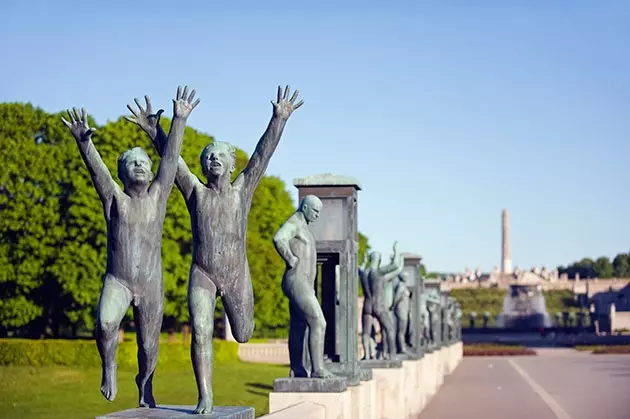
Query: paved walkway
(558, 383)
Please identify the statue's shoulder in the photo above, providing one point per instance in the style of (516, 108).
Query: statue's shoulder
(239, 181)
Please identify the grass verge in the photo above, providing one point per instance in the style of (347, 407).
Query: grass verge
(64, 392)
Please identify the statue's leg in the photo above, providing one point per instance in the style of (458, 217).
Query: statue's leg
(297, 331)
(202, 299)
(304, 302)
(401, 326)
(387, 330)
(148, 317)
(112, 306)
(366, 329)
(238, 301)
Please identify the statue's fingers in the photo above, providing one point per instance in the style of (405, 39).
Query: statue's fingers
(68, 124)
(77, 115)
(90, 131)
(159, 113)
(286, 92)
(295, 95)
(297, 105)
(179, 92)
(132, 110)
(192, 95)
(279, 94)
(84, 116)
(148, 104)
(196, 103)
(185, 94)
(70, 115)
(138, 104)
(131, 119)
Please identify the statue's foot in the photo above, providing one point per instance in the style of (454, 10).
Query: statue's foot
(147, 400)
(145, 392)
(322, 373)
(204, 406)
(108, 383)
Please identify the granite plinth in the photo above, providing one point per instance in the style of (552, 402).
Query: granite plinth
(381, 363)
(310, 385)
(178, 412)
(339, 369)
(409, 356)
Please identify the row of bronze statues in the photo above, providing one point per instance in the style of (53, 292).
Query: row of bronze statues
(218, 208)
(387, 300)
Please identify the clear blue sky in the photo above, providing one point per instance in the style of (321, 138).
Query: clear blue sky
(446, 112)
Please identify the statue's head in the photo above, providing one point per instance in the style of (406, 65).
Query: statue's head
(310, 206)
(218, 159)
(134, 167)
(375, 259)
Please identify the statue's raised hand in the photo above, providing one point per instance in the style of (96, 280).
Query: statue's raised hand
(284, 107)
(78, 124)
(145, 118)
(183, 104)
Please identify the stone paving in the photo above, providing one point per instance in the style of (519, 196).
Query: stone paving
(558, 383)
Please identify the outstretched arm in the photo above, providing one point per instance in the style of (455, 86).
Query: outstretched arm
(267, 144)
(150, 123)
(105, 185)
(392, 270)
(281, 241)
(182, 107)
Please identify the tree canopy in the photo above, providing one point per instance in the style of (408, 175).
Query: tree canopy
(602, 267)
(53, 233)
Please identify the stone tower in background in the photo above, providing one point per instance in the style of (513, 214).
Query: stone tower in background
(506, 261)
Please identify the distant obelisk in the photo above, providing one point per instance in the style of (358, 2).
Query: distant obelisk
(506, 261)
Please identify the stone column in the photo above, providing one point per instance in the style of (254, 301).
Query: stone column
(506, 261)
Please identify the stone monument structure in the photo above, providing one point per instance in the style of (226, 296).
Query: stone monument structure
(336, 234)
(135, 217)
(219, 209)
(506, 260)
(295, 243)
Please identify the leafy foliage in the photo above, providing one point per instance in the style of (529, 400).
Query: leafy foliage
(600, 268)
(53, 233)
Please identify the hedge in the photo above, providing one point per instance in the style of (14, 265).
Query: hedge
(489, 349)
(83, 353)
(604, 349)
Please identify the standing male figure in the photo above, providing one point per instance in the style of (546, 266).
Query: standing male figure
(135, 217)
(295, 243)
(373, 281)
(218, 214)
(401, 309)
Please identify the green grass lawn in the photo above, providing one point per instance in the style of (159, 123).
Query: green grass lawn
(59, 392)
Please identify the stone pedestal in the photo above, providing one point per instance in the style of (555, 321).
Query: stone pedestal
(178, 412)
(392, 391)
(364, 400)
(414, 393)
(336, 405)
(310, 385)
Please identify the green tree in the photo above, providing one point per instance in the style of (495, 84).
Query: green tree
(53, 233)
(621, 265)
(603, 268)
(35, 185)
